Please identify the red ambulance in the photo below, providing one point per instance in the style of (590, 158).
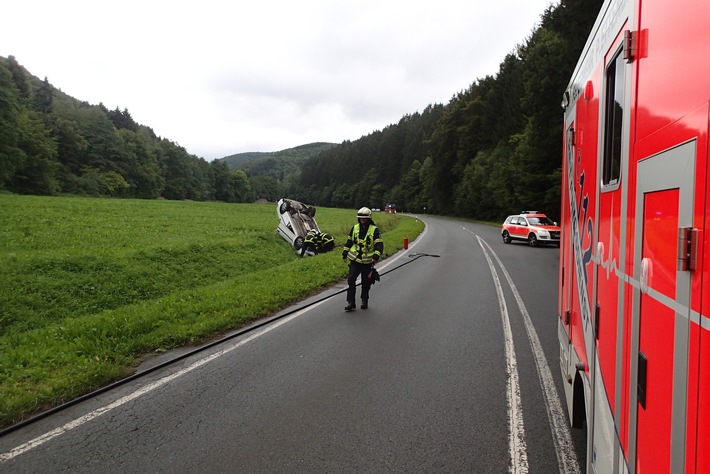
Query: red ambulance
(634, 280)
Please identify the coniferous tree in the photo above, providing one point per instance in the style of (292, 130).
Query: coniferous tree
(44, 97)
(19, 77)
(10, 111)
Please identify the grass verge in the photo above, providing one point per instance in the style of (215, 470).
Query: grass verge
(90, 286)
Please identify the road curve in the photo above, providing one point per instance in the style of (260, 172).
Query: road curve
(441, 374)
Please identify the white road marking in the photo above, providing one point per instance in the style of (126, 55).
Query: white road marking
(561, 436)
(38, 441)
(33, 443)
(517, 448)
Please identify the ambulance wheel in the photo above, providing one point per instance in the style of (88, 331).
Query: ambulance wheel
(506, 237)
(532, 240)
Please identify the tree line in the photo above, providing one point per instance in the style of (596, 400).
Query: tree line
(494, 149)
(273, 175)
(51, 143)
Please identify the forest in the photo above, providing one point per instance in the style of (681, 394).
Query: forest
(495, 148)
(53, 144)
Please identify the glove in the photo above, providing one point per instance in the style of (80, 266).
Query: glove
(374, 276)
(345, 255)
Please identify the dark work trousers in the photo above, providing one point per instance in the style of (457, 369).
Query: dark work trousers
(362, 270)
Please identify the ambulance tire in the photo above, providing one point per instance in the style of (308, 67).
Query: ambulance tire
(506, 237)
(532, 240)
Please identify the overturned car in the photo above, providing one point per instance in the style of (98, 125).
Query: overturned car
(295, 221)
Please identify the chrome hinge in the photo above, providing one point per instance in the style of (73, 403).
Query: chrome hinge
(687, 249)
(630, 45)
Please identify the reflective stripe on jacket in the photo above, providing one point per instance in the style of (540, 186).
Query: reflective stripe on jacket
(363, 250)
(311, 236)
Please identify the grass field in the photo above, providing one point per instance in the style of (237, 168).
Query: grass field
(89, 286)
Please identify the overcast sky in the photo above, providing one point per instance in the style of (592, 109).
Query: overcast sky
(224, 77)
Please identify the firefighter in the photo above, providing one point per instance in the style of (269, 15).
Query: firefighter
(317, 242)
(309, 243)
(325, 242)
(362, 250)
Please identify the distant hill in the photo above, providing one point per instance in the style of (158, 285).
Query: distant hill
(240, 159)
(278, 163)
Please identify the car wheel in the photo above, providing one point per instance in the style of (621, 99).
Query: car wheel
(284, 207)
(506, 237)
(298, 243)
(532, 240)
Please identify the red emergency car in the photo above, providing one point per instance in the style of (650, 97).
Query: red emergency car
(532, 227)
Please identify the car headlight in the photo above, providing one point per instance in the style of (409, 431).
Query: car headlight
(543, 233)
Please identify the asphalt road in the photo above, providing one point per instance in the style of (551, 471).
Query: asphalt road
(438, 375)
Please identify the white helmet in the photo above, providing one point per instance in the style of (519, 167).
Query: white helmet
(364, 213)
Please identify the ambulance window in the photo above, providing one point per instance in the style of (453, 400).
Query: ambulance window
(614, 115)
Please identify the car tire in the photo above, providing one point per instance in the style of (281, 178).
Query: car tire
(506, 237)
(532, 240)
(284, 207)
(298, 243)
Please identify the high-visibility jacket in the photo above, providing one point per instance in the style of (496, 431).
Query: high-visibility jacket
(317, 242)
(327, 242)
(311, 237)
(364, 244)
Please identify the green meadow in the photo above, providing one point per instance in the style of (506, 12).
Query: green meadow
(89, 287)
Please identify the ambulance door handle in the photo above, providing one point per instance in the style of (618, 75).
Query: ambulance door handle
(641, 380)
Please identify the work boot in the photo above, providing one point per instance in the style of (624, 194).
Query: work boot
(364, 304)
(350, 307)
